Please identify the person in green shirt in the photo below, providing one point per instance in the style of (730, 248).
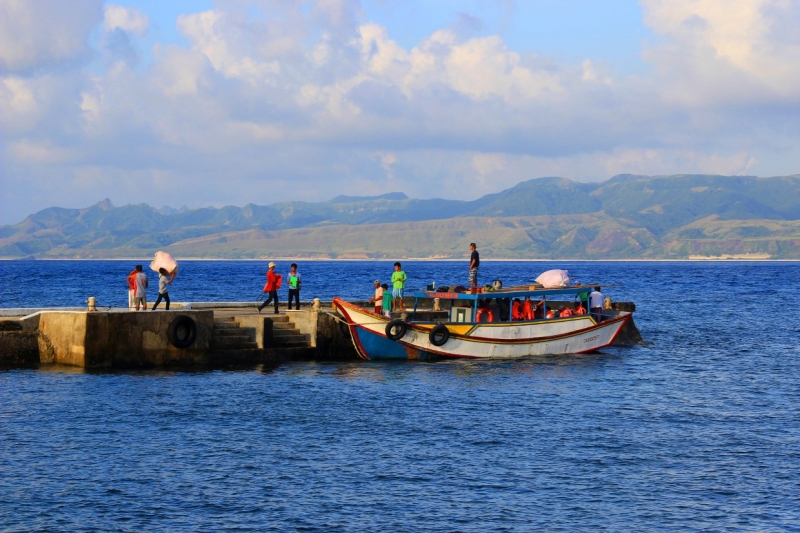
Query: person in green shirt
(398, 282)
(386, 304)
(294, 286)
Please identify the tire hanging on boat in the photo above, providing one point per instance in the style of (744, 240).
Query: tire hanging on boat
(396, 329)
(439, 335)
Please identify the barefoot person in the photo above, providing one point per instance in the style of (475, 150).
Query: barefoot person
(398, 283)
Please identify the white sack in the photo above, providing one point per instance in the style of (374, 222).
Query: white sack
(165, 261)
(553, 279)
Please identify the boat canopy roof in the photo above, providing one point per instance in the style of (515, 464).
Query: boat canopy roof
(511, 292)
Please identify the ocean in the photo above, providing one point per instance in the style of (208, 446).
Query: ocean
(698, 430)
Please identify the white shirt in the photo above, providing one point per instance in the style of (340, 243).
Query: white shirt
(596, 299)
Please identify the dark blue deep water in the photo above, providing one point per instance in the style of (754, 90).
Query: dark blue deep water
(698, 431)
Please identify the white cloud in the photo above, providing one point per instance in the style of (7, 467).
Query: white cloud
(737, 49)
(130, 20)
(41, 33)
(274, 100)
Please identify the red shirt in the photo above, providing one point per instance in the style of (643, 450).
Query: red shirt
(273, 281)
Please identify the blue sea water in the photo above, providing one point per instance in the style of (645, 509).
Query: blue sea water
(697, 431)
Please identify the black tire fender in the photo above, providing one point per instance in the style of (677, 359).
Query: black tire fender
(396, 329)
(182, 331)
(439, 335)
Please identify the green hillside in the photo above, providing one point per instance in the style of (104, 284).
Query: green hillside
(625, 217)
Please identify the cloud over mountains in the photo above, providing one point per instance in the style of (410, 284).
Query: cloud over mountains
(270, 100)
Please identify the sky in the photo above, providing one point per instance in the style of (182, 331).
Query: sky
(229, 102)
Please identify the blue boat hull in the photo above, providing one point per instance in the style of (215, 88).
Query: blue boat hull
(379, 347)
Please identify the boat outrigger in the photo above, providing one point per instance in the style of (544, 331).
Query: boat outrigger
(483, 325)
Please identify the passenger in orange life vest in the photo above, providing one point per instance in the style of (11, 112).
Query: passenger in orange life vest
(579, 309)
(550, 313)
(565, 312)
(531, 311)
(527, 309)
(516, 310)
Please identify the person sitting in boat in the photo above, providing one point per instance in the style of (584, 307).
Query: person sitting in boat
(516, 310)
(551, 313)
(531, 311)
(579, 308)
(564, 312)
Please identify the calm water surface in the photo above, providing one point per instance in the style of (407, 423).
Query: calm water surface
(698, 431)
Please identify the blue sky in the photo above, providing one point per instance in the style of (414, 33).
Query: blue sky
(215, 102)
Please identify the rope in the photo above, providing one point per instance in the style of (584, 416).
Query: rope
(352, 337)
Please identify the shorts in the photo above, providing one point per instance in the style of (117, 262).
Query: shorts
(473, 275)
(139, 300)
(397, 293)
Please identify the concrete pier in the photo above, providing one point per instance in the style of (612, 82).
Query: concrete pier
(196, 334)
(215, 337)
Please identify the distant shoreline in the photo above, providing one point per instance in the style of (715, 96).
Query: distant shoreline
(465, 259)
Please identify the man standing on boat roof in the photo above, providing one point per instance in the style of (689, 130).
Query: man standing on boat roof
(474, 263)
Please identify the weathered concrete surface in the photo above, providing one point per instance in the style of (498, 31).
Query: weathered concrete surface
(120, 339)
(16, 345)
(62, 337)
(131, 339)
(262, 325)
(329, 336)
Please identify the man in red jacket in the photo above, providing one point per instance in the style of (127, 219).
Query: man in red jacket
(272, 286)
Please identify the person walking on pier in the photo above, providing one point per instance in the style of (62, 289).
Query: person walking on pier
(272, 286)
(140, 294)
(474, 263)
(164, 279)
(294, 286)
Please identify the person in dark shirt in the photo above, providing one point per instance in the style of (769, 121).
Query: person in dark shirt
(474, 263)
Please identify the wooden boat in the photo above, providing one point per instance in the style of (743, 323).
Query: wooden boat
(447, 324)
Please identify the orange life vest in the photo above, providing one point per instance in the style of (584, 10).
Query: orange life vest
(527, 310)
(565, 312)
(516, 311)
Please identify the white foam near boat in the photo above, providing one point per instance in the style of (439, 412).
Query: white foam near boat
(480, 326)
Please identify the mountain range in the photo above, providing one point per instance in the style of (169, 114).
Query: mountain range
(625, 217)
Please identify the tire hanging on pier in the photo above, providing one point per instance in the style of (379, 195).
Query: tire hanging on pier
(182, 331)
(396, 329)
(439, 335)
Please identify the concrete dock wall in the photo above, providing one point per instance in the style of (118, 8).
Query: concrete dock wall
(117, 339)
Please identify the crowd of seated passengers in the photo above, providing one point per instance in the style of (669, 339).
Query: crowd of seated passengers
(528, 311)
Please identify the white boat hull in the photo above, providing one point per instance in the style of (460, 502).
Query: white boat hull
(578, 334)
